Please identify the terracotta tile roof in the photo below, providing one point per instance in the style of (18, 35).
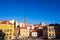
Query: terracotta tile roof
(37, 27)
(10, 23)
(34, 31)
(5, 22)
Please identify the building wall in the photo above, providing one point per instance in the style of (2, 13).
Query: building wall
(40, 32)
(45, 32)
(2, 35)
(7, 29)
(16, 31)
(34, 34)
(24, 33)
(51, 32)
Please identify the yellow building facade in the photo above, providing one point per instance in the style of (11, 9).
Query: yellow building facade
(8, 29)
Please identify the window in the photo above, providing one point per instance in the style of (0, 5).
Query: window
(10, 37)
(52, 34)
(32, 34)
(14, 33)
(8, 30)
(49, 35)
(35, 34)
(4, 30)
(7, 33)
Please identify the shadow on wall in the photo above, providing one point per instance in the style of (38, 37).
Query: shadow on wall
(2, 35)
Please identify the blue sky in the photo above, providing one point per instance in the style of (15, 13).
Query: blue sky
(35, 11)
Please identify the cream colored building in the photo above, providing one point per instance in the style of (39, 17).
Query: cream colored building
(24, 32)
(51, 32)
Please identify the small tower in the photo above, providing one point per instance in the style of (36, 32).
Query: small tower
(24, 22)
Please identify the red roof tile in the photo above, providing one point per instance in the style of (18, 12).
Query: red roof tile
(5, 22)
(34, 31)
